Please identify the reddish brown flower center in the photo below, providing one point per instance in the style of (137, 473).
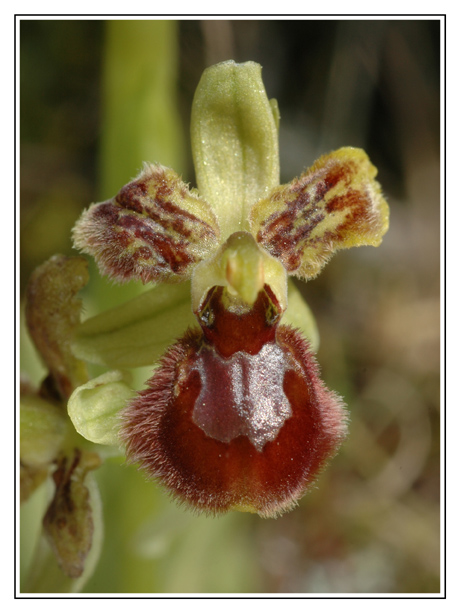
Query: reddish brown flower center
(230, 329)
(241, 370)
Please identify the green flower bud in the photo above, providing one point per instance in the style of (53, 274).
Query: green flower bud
(94, 407)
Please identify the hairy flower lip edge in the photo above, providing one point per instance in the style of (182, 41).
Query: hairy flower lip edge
(164, 385)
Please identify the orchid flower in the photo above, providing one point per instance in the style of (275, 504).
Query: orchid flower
(235, 415)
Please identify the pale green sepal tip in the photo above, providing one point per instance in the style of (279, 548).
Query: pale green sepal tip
(298, 314)
(234, 137)
(94, 408)
(138, 332)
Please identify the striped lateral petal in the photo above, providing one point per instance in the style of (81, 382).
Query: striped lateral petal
(334, 205)
(155, 229)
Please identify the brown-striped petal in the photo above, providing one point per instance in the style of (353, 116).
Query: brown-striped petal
(155, 229)
(334, 205)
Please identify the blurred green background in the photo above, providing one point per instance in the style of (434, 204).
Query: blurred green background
(97, 98)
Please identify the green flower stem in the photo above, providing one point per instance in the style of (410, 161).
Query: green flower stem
(140, 117)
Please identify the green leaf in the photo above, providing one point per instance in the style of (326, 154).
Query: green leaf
(141, 122)
(234, 141)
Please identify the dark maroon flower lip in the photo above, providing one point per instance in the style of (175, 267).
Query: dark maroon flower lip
(248, 430)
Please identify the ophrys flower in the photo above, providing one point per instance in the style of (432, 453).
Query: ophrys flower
(236, 415)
